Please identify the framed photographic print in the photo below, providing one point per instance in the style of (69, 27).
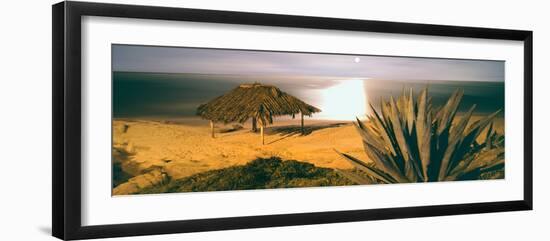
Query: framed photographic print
(172, 120)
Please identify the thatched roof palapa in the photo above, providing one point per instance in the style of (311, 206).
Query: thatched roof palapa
(258, 101)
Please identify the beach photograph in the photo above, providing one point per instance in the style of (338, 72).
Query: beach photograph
(202, 119)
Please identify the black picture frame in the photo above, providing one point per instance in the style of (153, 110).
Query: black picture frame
(66, 47)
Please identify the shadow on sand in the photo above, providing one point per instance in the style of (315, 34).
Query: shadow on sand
(293, 130)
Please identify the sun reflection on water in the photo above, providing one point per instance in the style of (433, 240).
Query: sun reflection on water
(344, 101)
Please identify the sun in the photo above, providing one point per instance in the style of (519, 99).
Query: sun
(345, 101)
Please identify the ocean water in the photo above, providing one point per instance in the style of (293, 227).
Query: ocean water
(165, 95)
(487, 96)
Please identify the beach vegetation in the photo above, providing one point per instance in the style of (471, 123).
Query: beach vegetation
(409, 140)
(261, 173)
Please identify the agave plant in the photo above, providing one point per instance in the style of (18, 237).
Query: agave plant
(411, 141)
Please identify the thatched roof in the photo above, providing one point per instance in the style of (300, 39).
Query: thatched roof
(253, 100)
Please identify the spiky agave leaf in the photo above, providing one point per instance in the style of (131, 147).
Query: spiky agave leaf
(409, 141)
(370, 170)
(357, 176)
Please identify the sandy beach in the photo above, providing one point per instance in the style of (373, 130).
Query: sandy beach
(181, 150)
(150, 151)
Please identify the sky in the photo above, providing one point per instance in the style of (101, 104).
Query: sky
(168, 82)
(235, 62)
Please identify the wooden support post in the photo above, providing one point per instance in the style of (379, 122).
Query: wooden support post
(302, 114)
(254, 124)
(212, 128)
(262, 133)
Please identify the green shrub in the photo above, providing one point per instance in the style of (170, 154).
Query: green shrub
(260, 173)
